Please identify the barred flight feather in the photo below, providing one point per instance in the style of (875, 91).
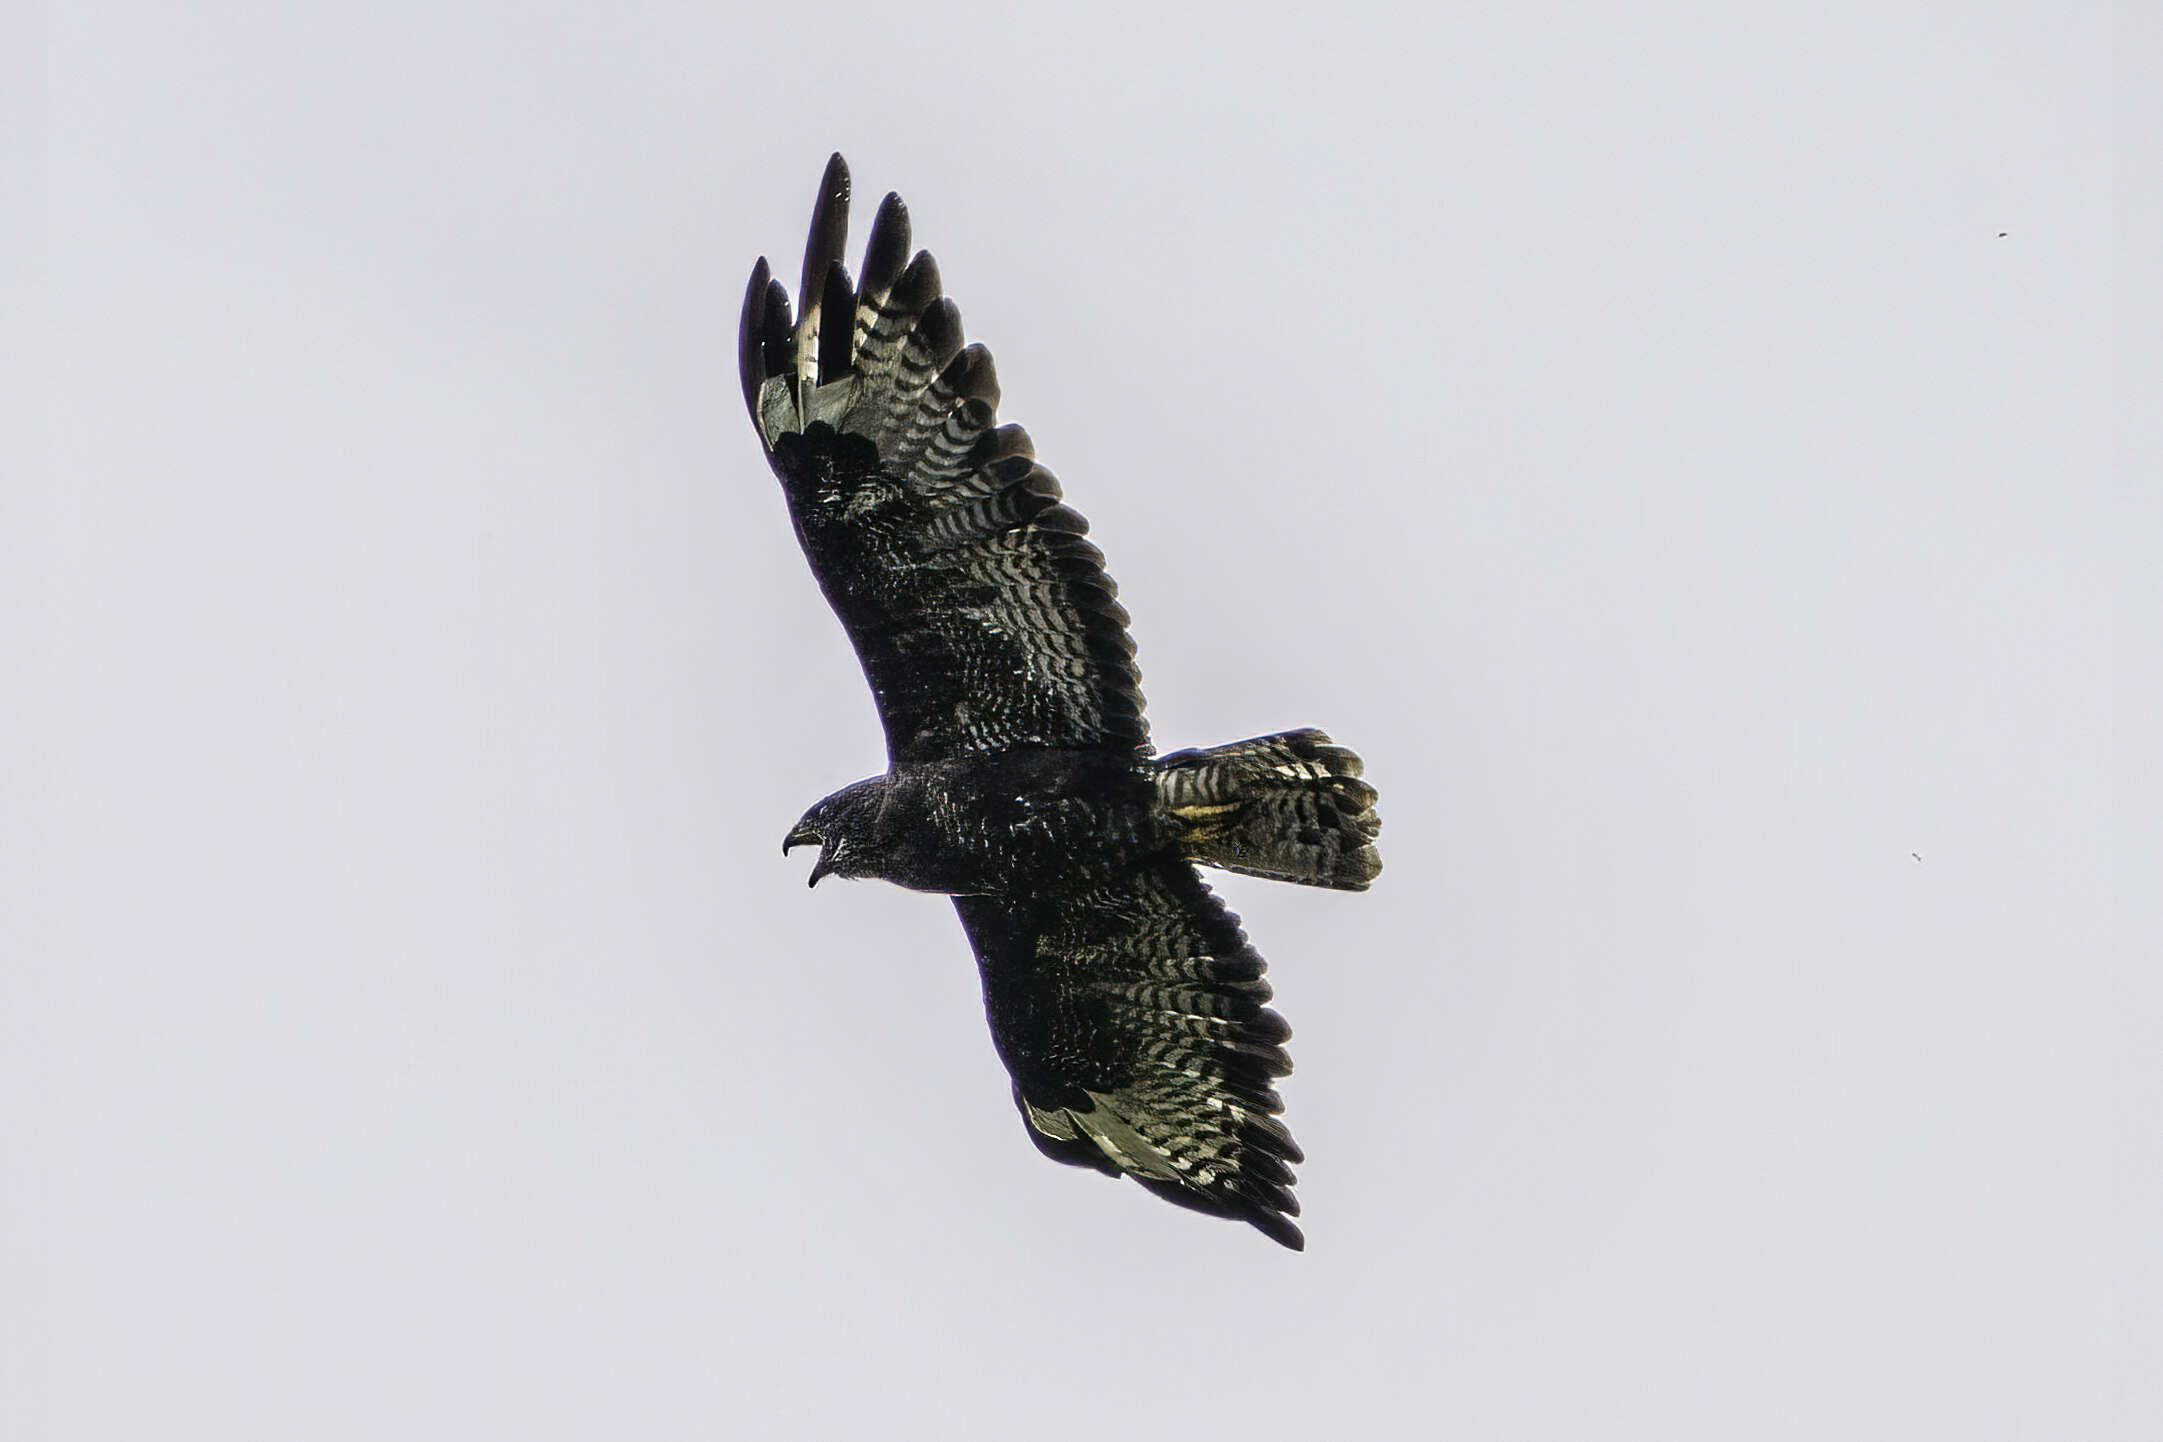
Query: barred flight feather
(914, 507)
(1130, 1011)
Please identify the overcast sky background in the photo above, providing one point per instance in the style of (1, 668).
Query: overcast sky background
(1627, 426)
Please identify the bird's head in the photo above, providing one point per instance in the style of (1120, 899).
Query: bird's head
(840, 826)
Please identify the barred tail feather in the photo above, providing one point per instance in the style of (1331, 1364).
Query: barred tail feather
(1290, 807)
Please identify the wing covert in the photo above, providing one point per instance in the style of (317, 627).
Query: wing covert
(981, 615)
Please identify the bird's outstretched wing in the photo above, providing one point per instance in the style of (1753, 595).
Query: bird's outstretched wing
(982, 618)
(1133, 1018)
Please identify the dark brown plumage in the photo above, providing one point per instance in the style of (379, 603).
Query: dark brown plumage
(1123, 997)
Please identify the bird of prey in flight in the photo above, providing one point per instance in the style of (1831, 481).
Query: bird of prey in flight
(1123, 997)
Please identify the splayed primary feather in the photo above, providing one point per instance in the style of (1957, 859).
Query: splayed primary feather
(1123, 997)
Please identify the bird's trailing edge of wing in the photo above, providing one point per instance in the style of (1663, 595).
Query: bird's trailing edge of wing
(982, 616)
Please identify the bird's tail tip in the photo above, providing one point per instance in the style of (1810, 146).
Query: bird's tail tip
(1291, 807)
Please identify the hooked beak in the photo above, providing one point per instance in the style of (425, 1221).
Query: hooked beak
(803, 835)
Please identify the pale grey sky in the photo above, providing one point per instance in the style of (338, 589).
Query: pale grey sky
(1627, 426)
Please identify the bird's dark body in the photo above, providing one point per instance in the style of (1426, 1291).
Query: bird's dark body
(1123, 997)
(995, 824)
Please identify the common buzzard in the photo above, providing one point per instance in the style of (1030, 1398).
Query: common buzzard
(1122, 995)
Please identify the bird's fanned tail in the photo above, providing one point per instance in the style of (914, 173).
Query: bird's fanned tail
(1290, 807)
